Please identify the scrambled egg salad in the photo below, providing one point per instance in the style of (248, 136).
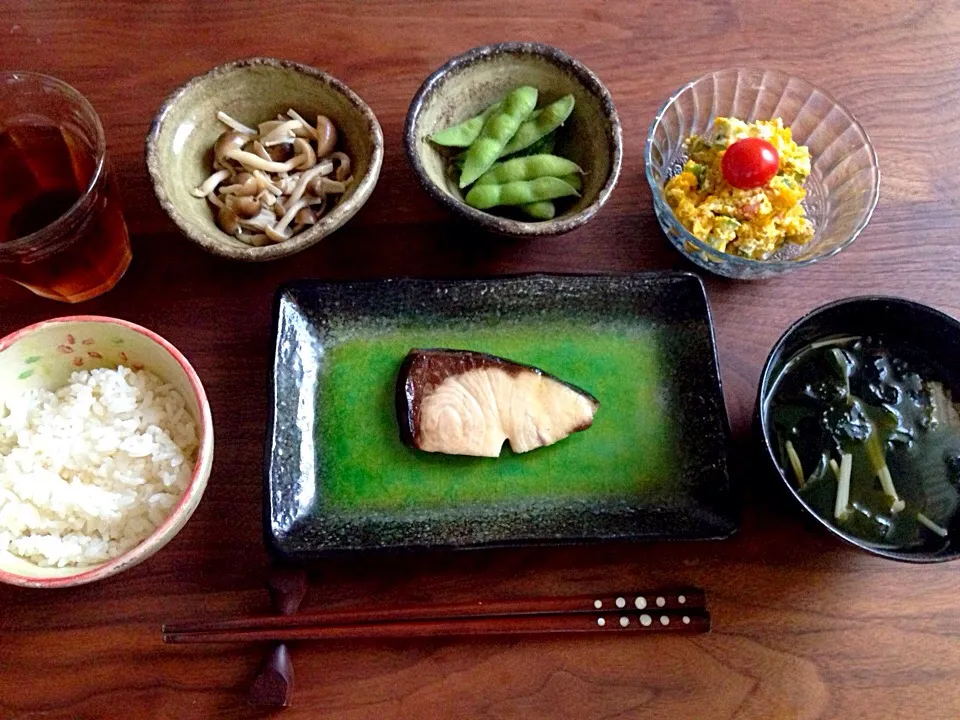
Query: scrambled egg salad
(750, 223)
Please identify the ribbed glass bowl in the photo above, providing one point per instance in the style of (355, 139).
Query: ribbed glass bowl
(843, 186)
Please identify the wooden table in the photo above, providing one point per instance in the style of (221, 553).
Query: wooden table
(804, 627)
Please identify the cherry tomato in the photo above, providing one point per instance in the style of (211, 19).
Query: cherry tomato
(749, 163)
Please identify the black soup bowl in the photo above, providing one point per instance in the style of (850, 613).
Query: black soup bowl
(898, 322)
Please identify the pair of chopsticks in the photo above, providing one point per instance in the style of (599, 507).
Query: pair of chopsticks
(677, 611)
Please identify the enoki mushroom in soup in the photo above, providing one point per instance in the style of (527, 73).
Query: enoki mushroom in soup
(270, 183)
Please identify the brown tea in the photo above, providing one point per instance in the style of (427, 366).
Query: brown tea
(59, 236)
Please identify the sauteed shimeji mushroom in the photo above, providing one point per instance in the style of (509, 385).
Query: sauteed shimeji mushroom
(271, 183)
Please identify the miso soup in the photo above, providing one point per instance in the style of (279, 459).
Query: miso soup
(870, 435)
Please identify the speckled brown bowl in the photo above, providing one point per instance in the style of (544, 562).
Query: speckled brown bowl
(469, 83)
(180, 143)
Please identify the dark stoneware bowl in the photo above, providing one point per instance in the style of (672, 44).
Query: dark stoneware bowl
(901, 320)
(469, 83)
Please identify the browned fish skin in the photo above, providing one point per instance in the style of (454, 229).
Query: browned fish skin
(423, 370)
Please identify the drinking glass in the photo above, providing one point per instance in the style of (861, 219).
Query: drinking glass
(62, 233)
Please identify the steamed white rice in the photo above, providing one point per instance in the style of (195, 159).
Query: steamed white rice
(88, 471)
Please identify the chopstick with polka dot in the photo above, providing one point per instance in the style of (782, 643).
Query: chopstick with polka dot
(682, 611)
(691, 599)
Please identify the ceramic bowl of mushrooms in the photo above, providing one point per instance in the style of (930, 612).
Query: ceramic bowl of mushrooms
(259, 159)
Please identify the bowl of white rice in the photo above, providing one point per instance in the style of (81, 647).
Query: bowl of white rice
(106, 445)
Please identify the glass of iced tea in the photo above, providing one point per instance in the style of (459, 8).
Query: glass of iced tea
(62, 233)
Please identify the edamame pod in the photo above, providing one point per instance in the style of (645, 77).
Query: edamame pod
(543, 210)
(530, 167)
(521, 192)
(543, 146)
(546, 121)
(496, 133)
(546, 209)
(575, 181)
(463, 134)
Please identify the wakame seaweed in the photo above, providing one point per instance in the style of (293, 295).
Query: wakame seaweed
(890, 410)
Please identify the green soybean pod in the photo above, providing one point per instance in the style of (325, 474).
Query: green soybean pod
(543, 146)
(521, 192)
(496, 133)
(530, 167)
(543, 210)
(574, 180)
(463, 134)
(546, 121)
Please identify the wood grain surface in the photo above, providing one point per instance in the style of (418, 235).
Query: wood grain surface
(804, 628)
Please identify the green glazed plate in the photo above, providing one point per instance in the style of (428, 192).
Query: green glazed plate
(652, 466)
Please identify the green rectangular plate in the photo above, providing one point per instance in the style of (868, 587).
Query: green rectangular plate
(652, 466)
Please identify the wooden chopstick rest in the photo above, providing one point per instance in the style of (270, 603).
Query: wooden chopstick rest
(273, 684)
(288, 587)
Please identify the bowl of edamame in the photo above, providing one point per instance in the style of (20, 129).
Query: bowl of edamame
(518, 138)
